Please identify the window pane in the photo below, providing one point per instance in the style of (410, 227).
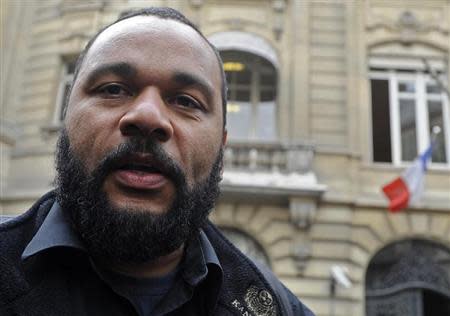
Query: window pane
(267, 95)
(436, 119)
(237, 75)
(229, 76)
(407, 86)
(63, 101)
(65, 83)
(244, 77)
(238, 94)
(242, 95)
(381, 127)
(408, 129)
(433, 88)
(252, 81)
(239, 119)
(71, 66)
(268, 79)
(266, 117)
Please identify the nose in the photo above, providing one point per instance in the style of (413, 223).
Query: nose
(147, 117)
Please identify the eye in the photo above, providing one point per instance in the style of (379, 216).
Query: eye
(113, 90)
(185, 101)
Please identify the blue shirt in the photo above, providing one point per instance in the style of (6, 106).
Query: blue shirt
(143, 293)
(156, 296)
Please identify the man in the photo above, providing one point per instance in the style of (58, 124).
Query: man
(138, 164)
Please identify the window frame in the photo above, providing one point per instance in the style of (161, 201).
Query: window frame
(256, 87)
(421, 98)
(65, 80)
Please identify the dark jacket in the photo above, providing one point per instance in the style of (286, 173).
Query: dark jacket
(58, 285)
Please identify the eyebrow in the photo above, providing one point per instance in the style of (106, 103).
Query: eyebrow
(121, 69)
(187, 80)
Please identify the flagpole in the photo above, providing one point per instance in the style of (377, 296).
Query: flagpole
(408, 187)
(435, 76)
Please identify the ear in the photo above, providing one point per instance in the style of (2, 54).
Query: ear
(224, 143)
(224, 137)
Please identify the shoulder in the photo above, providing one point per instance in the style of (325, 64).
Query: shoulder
(36, 214)
(17, 231)
(291, 304)
(242, 274)
(15, 234)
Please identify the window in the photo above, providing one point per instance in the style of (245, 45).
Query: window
(63, 89)
(406, 105)
(252, 82)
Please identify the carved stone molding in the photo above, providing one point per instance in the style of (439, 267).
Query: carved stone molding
(303, 211)
(72, 42)
(235, 24)
(196, 6)
(9, 132)
(301, 161)
(279, 7)
(196, 3)
(70, 6)
(407, 24)
(302, 253)
(235, 40)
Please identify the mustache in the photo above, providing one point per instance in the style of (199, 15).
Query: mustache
(138, 146)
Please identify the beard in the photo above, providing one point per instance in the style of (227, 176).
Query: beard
(131, 235)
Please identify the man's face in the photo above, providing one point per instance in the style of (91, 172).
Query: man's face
(146, 78)
(139, 161)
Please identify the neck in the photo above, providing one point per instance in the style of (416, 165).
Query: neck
(151, 269)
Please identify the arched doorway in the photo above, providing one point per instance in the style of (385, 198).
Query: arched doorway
(410, 277)
(247, 244)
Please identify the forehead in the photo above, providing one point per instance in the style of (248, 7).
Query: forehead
(146, 41)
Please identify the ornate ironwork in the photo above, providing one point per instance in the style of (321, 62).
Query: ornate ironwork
(403, 303)
(399, 276)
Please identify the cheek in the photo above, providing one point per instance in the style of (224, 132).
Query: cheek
(89, 135)
(79, 131)
(199, 151)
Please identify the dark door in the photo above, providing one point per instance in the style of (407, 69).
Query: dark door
(409, 278)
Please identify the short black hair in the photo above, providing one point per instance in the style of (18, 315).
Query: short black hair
(162, 13)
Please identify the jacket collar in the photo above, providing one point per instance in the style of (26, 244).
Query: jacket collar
(54, 232)
(200, 263)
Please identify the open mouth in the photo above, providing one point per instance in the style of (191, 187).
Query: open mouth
(140, 167)
(140, 172)
(140, 162)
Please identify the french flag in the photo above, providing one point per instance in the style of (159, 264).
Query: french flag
(408, 188)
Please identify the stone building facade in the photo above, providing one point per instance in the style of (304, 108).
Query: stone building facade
(329, 101)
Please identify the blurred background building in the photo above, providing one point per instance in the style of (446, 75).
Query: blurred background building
(329, 100)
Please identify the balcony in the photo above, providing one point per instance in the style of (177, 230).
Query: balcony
(270, 168)
(275, 173)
